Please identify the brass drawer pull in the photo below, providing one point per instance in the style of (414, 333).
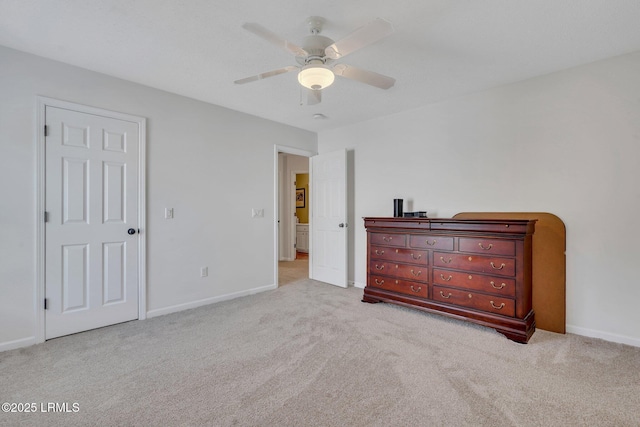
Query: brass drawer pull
(502, 265)
(419, 256)
(445, 296)
(446, 279)
(416, 291)
(496, 307)
(379, 267)
(487, 248)
(416, 274)
(446, 262)
(493, 285)
(379, 282)
(379, 252)
(432, 243)
(386, 239)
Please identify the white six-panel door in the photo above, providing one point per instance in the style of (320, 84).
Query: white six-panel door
(329, 218)
(91, 199)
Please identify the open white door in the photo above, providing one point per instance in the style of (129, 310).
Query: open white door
(329, 218)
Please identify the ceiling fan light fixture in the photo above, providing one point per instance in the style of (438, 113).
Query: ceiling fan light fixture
(316, 77)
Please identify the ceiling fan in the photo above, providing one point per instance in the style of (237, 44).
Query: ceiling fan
(318, 55)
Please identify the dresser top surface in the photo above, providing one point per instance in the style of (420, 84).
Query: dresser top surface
(450, 224)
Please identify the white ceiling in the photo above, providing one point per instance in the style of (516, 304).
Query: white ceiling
(440, 48)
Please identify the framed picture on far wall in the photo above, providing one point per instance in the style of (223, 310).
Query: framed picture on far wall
(300, 198)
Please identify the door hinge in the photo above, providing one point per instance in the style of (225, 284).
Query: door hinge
(46, 216)
(46, 130)
(46, 303)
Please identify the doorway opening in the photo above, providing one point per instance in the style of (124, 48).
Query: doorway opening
(293, 218)
(301, 204)
(328, 254)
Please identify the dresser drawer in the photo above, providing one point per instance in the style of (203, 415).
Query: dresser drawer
(477, 263)
(489, 303)
(399, 285)
(411, 256)
(487, 246)
(405, 271)
(398, 240)
(441, 243)
(494, 285)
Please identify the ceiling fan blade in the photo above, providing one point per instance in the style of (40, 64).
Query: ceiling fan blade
(364, 76)
(274, 39)
(265, 75)
(360, 38)
(314, 97)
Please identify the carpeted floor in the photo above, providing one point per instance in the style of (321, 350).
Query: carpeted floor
(311, 354)
(291, 271)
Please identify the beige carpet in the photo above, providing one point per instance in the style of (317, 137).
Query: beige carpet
(291, 271)
(310, 354)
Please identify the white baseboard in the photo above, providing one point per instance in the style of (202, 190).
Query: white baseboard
(22, 342)
(207, 301)
(607, 336)
(359, 285)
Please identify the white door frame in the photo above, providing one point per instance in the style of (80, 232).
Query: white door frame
(276, 198)
(42, 103)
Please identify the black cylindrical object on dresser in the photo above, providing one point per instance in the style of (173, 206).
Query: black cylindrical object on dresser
(397, 208)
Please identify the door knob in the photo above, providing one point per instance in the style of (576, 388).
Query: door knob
(342, 225)
(131, 231)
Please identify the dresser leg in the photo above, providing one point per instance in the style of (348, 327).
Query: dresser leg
(370, 300)
(521, 338)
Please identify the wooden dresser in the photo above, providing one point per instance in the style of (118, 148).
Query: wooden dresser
(477, 270)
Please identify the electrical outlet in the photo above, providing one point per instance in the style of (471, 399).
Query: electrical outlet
(204, 271)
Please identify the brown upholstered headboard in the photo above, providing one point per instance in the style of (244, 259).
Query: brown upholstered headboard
(549, 265)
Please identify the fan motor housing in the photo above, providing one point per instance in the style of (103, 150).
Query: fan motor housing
(315, 46)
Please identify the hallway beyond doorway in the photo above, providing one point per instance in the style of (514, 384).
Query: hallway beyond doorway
(291, 271)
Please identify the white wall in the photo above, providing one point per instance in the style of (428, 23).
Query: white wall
(566, 143)
(211, 164)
